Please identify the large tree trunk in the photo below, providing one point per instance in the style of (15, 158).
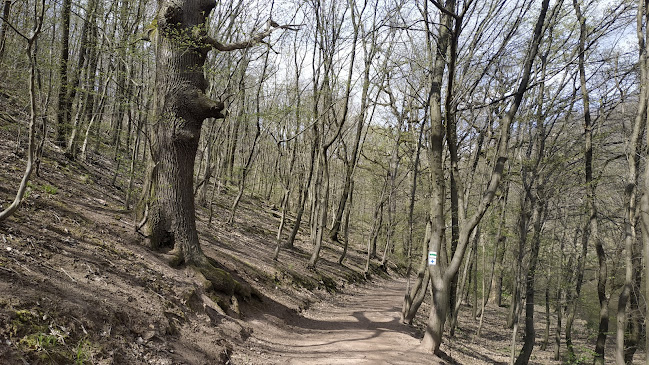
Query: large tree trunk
(180, 108)
(440, 298)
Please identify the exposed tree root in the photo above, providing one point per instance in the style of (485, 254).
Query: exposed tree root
(212, 277)
(220, 281)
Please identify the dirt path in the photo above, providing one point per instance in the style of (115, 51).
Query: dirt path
(360, 327)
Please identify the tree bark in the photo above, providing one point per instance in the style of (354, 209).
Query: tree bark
(6, 11)
(415, 295)
(529, 336)
(180, 108)
(63, 111)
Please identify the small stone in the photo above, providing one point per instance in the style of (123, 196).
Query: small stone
(149, 335)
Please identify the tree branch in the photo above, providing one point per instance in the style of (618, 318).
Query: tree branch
(271, 25)
(444, 10)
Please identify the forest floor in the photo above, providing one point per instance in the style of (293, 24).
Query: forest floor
(77, 286)
(361, 326)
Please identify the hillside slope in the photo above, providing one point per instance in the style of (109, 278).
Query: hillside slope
(76, 284)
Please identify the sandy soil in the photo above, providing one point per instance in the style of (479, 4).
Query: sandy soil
(358, 327)
(361, 326)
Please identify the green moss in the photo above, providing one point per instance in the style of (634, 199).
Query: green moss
(50, 189)
(25, 322)
(220, 300)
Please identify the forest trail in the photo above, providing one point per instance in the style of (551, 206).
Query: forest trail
(360, 326)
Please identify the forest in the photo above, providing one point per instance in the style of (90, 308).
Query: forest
(173, 173)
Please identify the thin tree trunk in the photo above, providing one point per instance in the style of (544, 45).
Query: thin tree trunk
(559, 304)
(393, 169)
(349, 171)
(546, 333)
(474, 303)
(634, 157)
(538, 200)
(500, 241)
(572, 299)
(6, 11)
(635, 325)
(346, 225)
(415, 295)
(303, 194)
(131, 178)
(94, 118)
(253, 147)
(63, 113)
(468, 267)
(441, 278)
(377, 221)
(590, 233)
(282, 221)
(411, 205)
(31, 146)
(76, 82)
(321, 203)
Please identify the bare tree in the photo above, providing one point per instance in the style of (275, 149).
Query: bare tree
(440, 277)
(30, 50)
(181, 106)
(642, 27)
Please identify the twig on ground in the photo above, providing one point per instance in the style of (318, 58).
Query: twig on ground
(66, 273)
